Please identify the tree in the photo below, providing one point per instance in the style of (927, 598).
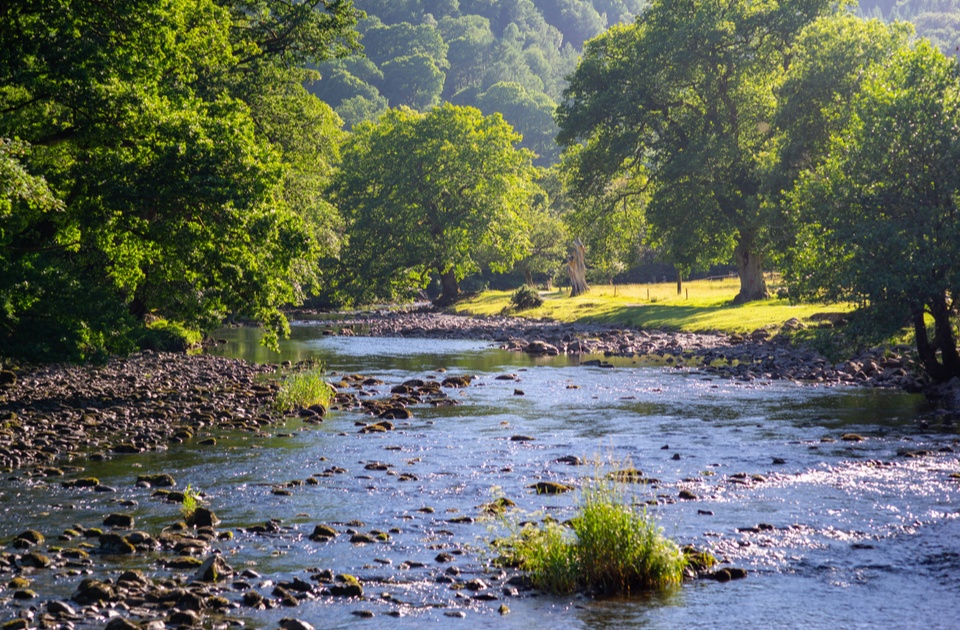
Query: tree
(829, 63)
(547, 231)
(881, 212)
(414, 81)
(423, 194)
(531, 114)
(684, 98)
(173, 136)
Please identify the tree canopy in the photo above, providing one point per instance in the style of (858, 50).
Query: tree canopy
(163, 161)
(429, 193)
(684, 99)
(880, 215)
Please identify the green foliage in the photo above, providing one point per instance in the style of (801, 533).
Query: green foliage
(167, 336)
(190, 503)
(611, 548)
(677, 106)
(429, 194)
(304, 389)
(174, 164)
(531, 114)
(526, 297)
(880, 212)
(426, 50)
(547, 231)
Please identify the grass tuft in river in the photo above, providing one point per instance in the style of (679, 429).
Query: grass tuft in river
(191, 500)
(610, 547)
(302, 390)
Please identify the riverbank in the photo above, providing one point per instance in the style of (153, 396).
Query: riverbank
(764, 354)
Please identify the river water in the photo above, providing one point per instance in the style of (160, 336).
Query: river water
(834, 533)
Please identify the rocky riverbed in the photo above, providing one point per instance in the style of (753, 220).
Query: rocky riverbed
(763, 354)
(55, 419)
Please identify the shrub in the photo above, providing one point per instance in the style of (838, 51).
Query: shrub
(610, 548)
(303, 389)
(526, 297)
(167, 336)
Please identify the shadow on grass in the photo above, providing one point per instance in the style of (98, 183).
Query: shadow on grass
(662, 316)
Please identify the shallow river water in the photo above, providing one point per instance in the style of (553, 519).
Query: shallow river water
(834, 533)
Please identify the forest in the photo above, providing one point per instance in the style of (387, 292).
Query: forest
(169, 165)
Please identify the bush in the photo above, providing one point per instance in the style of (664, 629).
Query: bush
(610, 548)
(525, 298)
(167, 336)
(303, 389)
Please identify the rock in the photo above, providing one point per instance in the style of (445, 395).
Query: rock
(253, 599)
(8, 378)
(288, 623)
(161, 480)
(851, 437)
(687, 495)
(541, 348)
(551, 487)
(61, 609)
(457, 381)
(35, 560)
(203, 517)
(93, 591)
(121, 623)
(521, 438)
(627, 475)
(115, 544)
(346, 586)
(188, 618)
(213, 569)
(727, 574)
(396, 413)
(30, 537)
(323, 533)
(123, 521)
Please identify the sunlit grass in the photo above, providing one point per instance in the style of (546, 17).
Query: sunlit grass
(302, 390)
(703, 306)
(191, 500)
(609, 548)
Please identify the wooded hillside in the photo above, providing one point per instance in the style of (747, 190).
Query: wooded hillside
(508, 56)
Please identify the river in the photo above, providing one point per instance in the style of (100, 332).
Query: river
(834, 533)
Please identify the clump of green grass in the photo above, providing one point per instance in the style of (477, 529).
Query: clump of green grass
(191, 500)
(304, 389)
(610, 548)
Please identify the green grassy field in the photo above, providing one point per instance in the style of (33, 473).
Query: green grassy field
(704, 306)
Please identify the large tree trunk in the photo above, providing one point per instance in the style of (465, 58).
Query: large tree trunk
(750, 269)
(449, 288)
(577, 269)
(947, 365)
(528, 278)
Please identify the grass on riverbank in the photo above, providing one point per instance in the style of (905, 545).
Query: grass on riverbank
(703, 306)
(609, 548)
